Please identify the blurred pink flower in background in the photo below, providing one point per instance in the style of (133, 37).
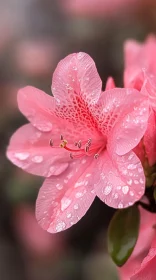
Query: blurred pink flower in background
(32, 237)
(36, 57)
(98, 8)
(86, 137)
(139, 57)
(140, 73)
(140, 264)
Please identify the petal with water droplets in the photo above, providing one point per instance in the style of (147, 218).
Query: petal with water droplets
(37, 106)
(64, 200)
(29, 149)
(119, 181)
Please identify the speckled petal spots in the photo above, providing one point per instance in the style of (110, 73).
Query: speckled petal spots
(63, 200)
(76, 86)
(37, 106)
(132, 122)
(119, 181)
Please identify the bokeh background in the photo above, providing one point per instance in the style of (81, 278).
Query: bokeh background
(34, 36)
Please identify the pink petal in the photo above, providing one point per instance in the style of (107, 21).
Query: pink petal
(137, 57)
(150, 139)
(148, 266)
(143, 244)
(149, 89)
(122, 115)
(132, 49)
(29, 149)
(76, 87)
(37, 106)
(76, 77)
(110, 83)
(64, 200)
(120, 180)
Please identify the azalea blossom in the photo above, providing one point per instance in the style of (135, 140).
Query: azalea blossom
(140, 73)
(85, 136)
(141, 264)
(139, 57)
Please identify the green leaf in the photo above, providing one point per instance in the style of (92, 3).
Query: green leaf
(123, 234)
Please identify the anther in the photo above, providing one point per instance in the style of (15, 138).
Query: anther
(63, 144)
(79, 144)
(89, 142)
(96, 156)
(71, 156)
(51, 142)
(86, 148)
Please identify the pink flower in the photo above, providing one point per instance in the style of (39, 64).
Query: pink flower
(140, 73)
(86, 137)
(139, 57)
(140, 264)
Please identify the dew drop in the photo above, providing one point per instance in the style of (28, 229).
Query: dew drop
(65, 202)
(131, 193)
(79, 194)
(21, 156)
(60, 226)
(37, 159)
(47, 126)
(125, 189)
(107, 190)
(59, 187)
(69, 215)
(120, 205)
(76, 206)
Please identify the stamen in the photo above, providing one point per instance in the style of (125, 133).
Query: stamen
(63, 144)
(86, 148)
(61, 137)
(71, 156)
(79, 144)
(89, 142)
(51, 142)
(96, 156)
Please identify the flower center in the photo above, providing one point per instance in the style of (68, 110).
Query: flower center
(82, 148)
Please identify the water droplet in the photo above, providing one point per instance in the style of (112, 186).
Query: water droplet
(65, 202)
(69, 215)
(76, 206)
(136, 182)
(125, 189)
(107, 190)
(21, 156)
(141, 181)
(37, 159)
(79, 194)
(60, 226)
(47, 126)
(59, 187)
(131, 193)
(131, 166)
(38, 134)
(120, 205)
(129, 182)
